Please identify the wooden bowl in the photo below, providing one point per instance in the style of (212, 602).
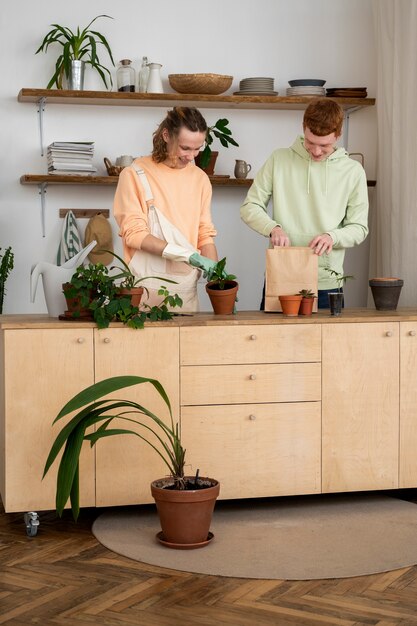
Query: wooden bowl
(209, 84)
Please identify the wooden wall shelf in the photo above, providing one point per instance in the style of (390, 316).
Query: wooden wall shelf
(114, 98)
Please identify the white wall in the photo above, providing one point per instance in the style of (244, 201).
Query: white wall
(329, 39)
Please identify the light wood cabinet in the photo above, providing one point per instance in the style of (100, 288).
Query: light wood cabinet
(126, 465)
(360, 406)
(408, 404)
(42, 370)
(250, 407)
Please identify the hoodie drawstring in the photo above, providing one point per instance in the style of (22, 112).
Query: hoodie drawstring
(325, 186)
(308, 176)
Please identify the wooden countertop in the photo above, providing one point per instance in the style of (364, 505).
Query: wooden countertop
(349, 315)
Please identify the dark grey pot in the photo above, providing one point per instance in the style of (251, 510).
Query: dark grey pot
(386, 292)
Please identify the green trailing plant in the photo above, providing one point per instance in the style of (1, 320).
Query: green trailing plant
(218, 275)
(340, 278)
(218, 131)
(6, 266)
(163, 437)
(79, 45)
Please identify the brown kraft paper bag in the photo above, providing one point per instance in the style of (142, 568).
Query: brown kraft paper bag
(288, 270)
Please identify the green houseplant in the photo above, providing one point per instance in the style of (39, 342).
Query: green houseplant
(6, 266)
(336, 298)
(80, 45)
(163, 437)
(222, 289)
(218, 131)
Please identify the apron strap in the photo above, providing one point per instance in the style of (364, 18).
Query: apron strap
(145, 183)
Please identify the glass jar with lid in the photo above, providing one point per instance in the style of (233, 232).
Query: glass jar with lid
(126, 76)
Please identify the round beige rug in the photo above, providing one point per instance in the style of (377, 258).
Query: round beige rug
(298, 538)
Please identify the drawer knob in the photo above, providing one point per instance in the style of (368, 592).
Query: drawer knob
(106, 340)
(389, 333)
(80, 340)
(253, 337)
(412, 333)
(252, 417)
(252, 376)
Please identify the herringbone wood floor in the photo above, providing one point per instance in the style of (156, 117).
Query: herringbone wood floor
(64, 576)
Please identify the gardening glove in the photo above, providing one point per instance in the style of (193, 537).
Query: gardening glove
(173, 252)
(204, 263)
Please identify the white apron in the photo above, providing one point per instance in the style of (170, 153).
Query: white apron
(145, 264)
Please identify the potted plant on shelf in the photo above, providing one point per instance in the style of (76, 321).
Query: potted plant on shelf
(222, 289)
(206, 159)
(185, 503)
(6, 266)
(78, 48)
(336, 298)
(307, 302)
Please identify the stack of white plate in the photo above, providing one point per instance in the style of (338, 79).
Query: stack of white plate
(306, 87)
(257, 86)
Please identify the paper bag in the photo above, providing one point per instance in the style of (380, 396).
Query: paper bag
(288, 270)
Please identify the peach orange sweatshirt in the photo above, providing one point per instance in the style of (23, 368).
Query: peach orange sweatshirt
(182, 195)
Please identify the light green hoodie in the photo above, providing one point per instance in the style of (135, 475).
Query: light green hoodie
(310, 198)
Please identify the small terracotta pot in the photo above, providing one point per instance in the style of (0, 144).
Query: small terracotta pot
(223, 300)
(209, 169)
(306, 306)
(386, 292)
(185, 515)
(290, 305)
(135, 294)
(74, 307)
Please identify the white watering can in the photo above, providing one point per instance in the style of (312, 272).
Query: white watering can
(53, 276)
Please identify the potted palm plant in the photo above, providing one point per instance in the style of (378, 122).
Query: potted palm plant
(185, 503)
(78, 49)
(6, 266)
(206, 159)
(222, 289)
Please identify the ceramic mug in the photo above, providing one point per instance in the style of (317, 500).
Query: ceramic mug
(242, 169)
(124, 160)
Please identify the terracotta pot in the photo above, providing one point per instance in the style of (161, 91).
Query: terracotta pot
(336, 302)
(209, 169)
(386, 292)
(185, 515)
(74, 307)
(223, 300)
(135, 294)
(306, 306)
(290, 304)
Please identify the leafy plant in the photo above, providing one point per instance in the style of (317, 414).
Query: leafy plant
(163, 438)
(6, 266)
(79, 45)
(220, 131)
(340, 278)
(219, 276)
(306, 293)
(90, 283)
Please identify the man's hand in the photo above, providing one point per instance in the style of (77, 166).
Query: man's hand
(279, 237)
(321, 244)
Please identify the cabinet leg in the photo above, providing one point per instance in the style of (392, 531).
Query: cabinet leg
(31, 522)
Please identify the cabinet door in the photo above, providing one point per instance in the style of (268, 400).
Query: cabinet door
(255, 450)
(43, 369)
(125, 465)
(360, 405)
(408, 404)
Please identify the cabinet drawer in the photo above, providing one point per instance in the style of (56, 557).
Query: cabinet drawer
(227, 345)
(255, 450)
(237, 384)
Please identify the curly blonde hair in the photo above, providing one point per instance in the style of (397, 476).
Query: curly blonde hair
(177, 118)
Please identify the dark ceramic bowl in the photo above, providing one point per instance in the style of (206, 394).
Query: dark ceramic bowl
(311, 82)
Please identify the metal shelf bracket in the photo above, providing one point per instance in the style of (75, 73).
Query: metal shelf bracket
(42, 191)
(41, 108)
(346, 125)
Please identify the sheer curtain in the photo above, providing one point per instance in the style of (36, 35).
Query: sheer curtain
(394, 220)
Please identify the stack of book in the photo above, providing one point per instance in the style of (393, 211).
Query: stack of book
(71, 158)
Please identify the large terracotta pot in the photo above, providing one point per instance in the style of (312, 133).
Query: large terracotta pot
(223, 300)
(290, 304)
(135, 294)
(185, 515)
